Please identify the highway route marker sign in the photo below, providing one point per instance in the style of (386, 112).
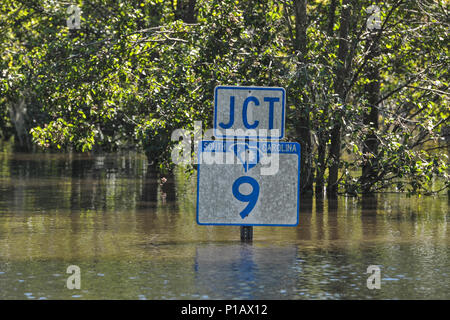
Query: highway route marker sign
(248, 183)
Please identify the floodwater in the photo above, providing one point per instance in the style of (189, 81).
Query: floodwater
(134, 237)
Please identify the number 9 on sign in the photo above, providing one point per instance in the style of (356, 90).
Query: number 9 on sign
(251, 198)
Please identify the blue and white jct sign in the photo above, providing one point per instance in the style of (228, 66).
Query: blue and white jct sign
(258, 110)
(251, 183)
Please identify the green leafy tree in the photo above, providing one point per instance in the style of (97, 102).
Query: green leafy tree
(368, 105)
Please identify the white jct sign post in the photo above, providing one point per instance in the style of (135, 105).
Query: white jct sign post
(250, 178)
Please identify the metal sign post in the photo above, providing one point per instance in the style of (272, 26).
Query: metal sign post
(246, 233)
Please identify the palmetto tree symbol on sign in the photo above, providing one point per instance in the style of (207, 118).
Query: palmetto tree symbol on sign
(248, 155)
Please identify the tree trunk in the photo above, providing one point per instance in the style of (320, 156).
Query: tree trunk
(322, 134)
(320, 170)
(331, 15)
(303, 125)
(301, 24)
(339, 88)
(18, 117)
(370, 147)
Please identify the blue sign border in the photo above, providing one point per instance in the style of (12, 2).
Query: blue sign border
(283, 106)
(200, 150)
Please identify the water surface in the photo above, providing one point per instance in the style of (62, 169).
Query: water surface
(135, 237)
